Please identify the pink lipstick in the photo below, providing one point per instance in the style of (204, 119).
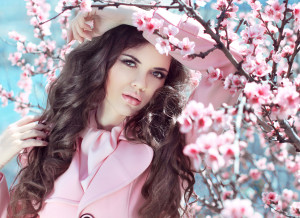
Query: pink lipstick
(131, 100)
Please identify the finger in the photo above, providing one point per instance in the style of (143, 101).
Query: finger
(82, 34)
(33, 134)
(84, 26)
(27, 119)
(30, 126)
(33, 143)
(77, 37)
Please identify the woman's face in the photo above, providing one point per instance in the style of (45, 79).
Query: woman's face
(133, 79)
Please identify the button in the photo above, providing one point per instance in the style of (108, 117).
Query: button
(87, 215)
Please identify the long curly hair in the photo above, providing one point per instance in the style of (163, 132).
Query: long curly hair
(78, 90)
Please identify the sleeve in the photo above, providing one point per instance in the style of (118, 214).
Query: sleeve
(189, 27)
(4, 196)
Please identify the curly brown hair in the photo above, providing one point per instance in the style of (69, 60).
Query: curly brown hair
(78, 90)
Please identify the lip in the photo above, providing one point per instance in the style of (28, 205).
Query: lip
(132, 99)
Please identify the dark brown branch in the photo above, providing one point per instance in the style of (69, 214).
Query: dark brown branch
(192, 13)
(291, 134)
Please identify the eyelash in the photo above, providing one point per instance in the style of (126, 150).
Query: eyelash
(130, 62)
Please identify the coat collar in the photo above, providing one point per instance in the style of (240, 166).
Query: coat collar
(125, 164)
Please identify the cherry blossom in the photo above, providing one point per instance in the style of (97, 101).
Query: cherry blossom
(15, 58)
(163, 46)
(255, 174)
(192, 150)
(85, 5)
(186, 46)
(295, 209)
(274, 10)
(214, 74)
(170, 30)
(16, 36)
(270, 198)
(238, 208)
(234, 82)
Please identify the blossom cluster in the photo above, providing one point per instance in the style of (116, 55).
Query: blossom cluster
(166, 41)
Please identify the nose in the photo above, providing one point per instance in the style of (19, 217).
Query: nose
(139, 82)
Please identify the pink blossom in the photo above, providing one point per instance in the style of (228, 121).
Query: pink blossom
(153, 24)
(255, 174)
(214, 160)
(162, 45)
(21, 104)
(288, 99)
(270, 198)
(186, 46)
(207, 142)
(287, 51)
(170, 30)
(85, 5)
(261, 163)
(295, 209)
(227, 195)
(186, 124)
(287, 195)
(201, 3)
(174, 41)
(258, 93)
(15, 58)
(25, 83)
(4, 96)
(296, 11)
(20, 47)
(238, 208)
(234, 82)
(228, 151)
(242, 179)
(214, 74)
(253, 34)
(192, 151)
(144, 21)
(30, 47)
(195, 78)
(203, 123)
(274, 10)
(255, 5)
(16, 36)
(34, 22)
(276, 57)
(140, 19)
(221, 120)
(195, 110)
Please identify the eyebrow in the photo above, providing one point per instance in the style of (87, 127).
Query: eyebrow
(137, 60)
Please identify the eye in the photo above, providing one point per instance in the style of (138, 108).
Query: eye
(158, 74)
(129, 63)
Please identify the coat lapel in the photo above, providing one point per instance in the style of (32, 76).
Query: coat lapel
(123, 166)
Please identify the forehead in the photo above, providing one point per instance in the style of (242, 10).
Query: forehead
(147, 54)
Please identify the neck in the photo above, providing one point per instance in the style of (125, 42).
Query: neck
(105, 119)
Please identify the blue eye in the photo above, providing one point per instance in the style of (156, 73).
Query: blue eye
(158, 74)
(129, 63)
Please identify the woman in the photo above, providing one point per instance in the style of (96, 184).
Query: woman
(96, 165)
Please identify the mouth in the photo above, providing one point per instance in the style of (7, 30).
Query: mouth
(132, 100)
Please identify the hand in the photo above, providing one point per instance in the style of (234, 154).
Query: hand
(20, 135)
(103, 20)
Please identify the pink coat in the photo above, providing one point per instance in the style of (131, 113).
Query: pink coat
(112, 188)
